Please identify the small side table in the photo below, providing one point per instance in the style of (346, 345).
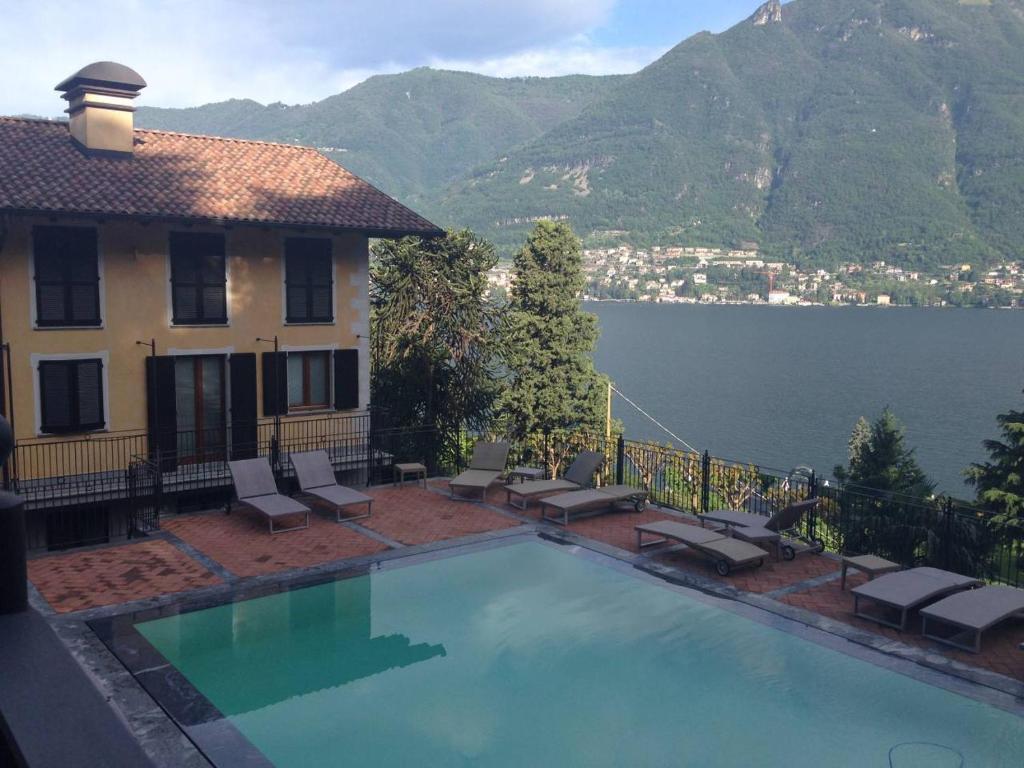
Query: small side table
(524, 474)
(872, 565)
(413, 469)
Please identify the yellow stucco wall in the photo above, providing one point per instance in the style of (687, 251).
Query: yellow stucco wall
(135, 301)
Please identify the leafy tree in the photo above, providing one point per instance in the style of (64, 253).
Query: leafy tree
(436, 337)
(1000, 481)
(553, 385)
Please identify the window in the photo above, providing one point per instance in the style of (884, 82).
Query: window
(308, 280)
(198, 281)
(200, 407)
(67, 275)
(309, 380)
(71, 395)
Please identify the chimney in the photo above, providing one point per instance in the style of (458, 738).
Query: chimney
(100, 106)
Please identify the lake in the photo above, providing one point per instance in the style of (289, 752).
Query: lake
(782, 386)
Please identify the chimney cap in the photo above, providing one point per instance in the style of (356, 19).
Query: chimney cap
(104, 74)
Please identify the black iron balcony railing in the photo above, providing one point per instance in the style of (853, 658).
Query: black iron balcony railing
(72, 485)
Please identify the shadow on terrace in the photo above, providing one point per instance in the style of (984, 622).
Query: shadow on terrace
(194, 553)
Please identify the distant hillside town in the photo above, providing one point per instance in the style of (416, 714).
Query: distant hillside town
(695, 275)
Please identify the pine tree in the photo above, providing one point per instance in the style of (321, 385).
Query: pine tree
(553, 386)
(1000, 481)
(860, 439)
(886, 507)
(435, 340)
(880, 460)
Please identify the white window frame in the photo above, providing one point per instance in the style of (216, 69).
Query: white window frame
(100, 287)
(34, 360)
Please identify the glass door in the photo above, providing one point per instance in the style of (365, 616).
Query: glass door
(199, 397)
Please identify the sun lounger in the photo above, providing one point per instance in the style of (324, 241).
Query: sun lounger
(316, 478)
(726, 552)
(255, 487)
(579, 475)
(972, 613)
(904, 591)
(592, 500)
(486, 466)
(756, 529)
(762, 537)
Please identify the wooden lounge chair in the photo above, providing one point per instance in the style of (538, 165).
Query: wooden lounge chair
(579, 475)
(726, 552)
(255, 487)
(781, 529)
(316, 478)
(973, 612)
(486, 466)
(597, 500)
(904, 591)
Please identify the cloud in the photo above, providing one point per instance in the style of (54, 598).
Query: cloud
(572, 58)
(195, 51)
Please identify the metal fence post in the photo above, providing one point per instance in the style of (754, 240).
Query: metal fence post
(947, 538)
(705, 483)
(812, 493)
(620, 460)
(275, 454)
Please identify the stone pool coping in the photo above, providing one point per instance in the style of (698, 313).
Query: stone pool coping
(167, 744)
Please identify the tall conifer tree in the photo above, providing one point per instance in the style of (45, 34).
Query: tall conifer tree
(553, 386)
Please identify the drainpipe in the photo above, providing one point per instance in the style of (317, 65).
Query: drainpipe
(6, 386)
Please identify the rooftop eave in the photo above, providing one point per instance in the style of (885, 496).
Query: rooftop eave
(386, 233)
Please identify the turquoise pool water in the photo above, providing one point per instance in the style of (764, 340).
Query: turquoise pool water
(528, 655)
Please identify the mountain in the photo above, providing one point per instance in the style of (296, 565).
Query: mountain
(824, 130)
(412, 134)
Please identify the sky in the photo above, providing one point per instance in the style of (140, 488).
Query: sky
(193, 52)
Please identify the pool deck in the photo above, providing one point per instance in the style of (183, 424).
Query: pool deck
(198, 556)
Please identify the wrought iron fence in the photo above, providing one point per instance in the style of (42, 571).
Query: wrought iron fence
(93, 489)
(939, 531)
(76, 485)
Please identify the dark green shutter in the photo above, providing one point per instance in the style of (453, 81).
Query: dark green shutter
(162, 411)
(244, 433)
(275, 383)
(346, 379)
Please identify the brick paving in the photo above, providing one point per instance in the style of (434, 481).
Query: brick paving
(998, 645)
(75, 581)
(241, 543)
(414, 515)
(769, 577)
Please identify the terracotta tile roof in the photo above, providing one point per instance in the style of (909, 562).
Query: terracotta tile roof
(174, 176)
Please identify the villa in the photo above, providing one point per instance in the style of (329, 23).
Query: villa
(183, 317)
(167, 294)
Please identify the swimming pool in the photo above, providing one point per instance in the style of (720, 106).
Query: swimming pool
(529, 654)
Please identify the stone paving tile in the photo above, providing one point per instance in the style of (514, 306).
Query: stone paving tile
(140, 569)
(999, 651)
(618, 529)
(241, 543)
(769, 577)
(414, 515)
